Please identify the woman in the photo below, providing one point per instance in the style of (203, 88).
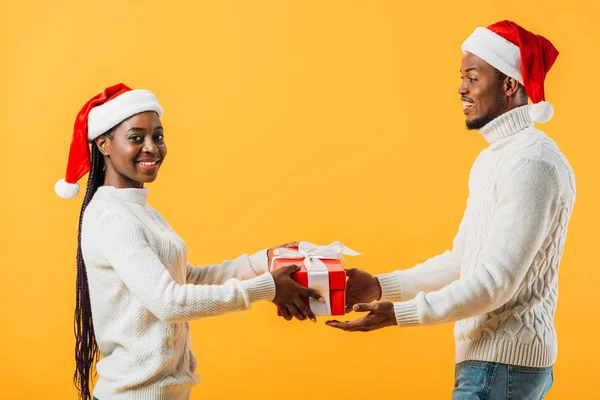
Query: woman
(136, 292)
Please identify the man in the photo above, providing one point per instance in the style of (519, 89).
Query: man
(499, 282)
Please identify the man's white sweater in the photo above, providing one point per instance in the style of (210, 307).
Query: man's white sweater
(500, 280)
(143, 293)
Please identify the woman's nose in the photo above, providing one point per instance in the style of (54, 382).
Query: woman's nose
(150, 146)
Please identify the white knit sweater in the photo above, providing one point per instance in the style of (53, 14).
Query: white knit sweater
(500, 280)
(144, 292)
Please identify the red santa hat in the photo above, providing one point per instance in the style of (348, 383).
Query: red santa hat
(520, 54)
(101, 113)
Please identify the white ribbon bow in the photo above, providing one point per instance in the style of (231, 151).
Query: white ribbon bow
(318, 275)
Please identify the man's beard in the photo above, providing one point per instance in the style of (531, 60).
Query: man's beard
(482, 121)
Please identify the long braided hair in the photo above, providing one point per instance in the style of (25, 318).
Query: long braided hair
(86, 348)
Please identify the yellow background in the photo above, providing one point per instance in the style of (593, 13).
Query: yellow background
(285, 120)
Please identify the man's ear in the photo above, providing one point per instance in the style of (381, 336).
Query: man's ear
(103, 144)
(511, 86)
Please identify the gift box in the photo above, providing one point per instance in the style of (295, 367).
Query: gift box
(322, 269)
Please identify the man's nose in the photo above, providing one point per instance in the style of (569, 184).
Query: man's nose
(462, 89)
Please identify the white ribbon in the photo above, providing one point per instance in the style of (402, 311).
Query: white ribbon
(318, 275)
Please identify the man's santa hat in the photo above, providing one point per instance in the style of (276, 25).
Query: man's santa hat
(101, 113)
(520, 54)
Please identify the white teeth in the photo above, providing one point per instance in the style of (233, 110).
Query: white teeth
(148, 164)
(466, 104)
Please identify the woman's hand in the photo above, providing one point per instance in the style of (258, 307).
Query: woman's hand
(288, 295)
(286, 245)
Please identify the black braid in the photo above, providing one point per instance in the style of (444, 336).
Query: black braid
(86, 348)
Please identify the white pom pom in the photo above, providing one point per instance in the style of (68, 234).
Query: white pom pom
(66, 190)
(541, 112)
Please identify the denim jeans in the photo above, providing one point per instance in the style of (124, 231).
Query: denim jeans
(492, 381)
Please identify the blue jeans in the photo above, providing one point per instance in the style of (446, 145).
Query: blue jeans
(492, 381)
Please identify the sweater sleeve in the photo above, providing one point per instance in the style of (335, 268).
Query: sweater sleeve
(433, 274)
(141, 270)
(528, 200)
(244, 267)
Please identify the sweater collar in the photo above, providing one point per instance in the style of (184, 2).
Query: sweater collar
(129, 195)
(507, 124)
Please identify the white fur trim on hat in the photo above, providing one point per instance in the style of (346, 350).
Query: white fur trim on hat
(496, 51)
(66, 190)
(108, 115)
(541, 112)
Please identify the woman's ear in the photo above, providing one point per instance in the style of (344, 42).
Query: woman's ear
(103, 144)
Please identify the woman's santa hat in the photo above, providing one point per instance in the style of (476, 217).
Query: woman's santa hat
(101, 113)
(520, 54)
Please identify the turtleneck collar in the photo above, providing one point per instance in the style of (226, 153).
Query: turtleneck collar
(507, 124)
(130, 195)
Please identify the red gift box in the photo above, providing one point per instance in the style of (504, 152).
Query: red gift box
(337, 279)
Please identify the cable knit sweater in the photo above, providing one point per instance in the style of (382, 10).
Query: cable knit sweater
(144, 292)
(500, 280)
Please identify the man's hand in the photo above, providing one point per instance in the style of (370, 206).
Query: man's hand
(288, 292)
(361, 287)
(381, 314)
